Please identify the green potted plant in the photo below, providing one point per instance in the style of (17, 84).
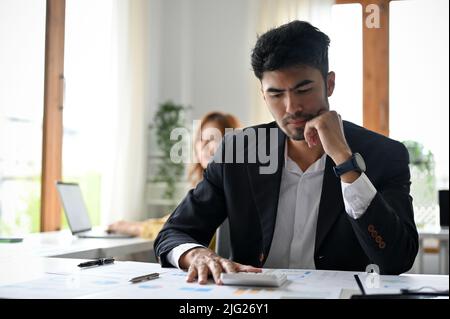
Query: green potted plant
(168, 117)
(419, 157)
(423, 184)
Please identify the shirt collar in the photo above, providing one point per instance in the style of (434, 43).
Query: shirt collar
(317, 167)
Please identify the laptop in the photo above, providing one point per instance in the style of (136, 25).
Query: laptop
(77, 214)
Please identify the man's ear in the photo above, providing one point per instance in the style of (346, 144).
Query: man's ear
(330, 83)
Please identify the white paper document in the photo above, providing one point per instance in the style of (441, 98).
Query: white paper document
(75, 282)
(172, 285)
(113, 281)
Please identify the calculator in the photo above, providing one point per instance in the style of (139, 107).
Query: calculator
(254, 279)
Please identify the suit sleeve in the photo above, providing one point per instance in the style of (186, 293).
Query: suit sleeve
(197, 217)
(387, 231)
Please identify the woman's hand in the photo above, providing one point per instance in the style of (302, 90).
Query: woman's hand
(126, 227)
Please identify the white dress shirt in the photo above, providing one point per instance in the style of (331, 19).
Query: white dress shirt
(298, 208)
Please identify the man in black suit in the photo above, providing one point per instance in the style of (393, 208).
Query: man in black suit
(337, 199)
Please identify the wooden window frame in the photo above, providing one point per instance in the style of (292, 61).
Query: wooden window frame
(53, 115)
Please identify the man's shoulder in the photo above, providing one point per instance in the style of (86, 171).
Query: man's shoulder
(359, 137)
(250, 145)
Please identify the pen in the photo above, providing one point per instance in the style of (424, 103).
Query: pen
(361, 287)
(144, 277)
(98, 262)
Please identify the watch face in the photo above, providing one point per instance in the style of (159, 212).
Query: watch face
(360, 162)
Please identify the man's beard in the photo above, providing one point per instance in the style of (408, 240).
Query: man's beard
(298, 134)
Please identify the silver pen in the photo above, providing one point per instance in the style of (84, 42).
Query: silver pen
(145, 277)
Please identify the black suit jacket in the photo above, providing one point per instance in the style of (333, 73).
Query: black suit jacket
(385, 235)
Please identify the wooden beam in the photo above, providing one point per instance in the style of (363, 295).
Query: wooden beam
(52, 122)
(376, 70)
(375, 67)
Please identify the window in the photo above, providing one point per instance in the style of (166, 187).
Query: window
(88, 102)
(419, 98)
(346, 60)
(22, 38)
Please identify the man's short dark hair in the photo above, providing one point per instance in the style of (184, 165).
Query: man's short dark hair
(292, 44)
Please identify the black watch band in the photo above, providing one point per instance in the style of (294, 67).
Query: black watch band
(355, 163)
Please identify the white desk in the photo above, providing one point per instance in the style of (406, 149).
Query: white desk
(442, 235)
(64, 244)
(39, 278)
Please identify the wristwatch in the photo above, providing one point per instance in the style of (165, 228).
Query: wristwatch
(355, 163)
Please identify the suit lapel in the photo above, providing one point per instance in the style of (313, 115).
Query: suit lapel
(266, 189)
(331, 203)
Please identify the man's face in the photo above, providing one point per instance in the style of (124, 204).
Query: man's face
(295, 95)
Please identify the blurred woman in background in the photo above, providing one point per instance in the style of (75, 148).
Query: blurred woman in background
(205, 147)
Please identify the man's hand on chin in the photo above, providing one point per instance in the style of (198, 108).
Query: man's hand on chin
(327, 129)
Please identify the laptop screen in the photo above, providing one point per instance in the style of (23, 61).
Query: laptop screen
(74, 207)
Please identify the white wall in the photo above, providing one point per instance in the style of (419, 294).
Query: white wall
(200, 55)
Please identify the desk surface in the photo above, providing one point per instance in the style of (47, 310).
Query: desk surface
(61, 278)
(437, 233)
(64, 244)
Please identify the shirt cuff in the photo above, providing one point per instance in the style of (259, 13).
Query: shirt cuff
(174, 255)
(358, 196)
